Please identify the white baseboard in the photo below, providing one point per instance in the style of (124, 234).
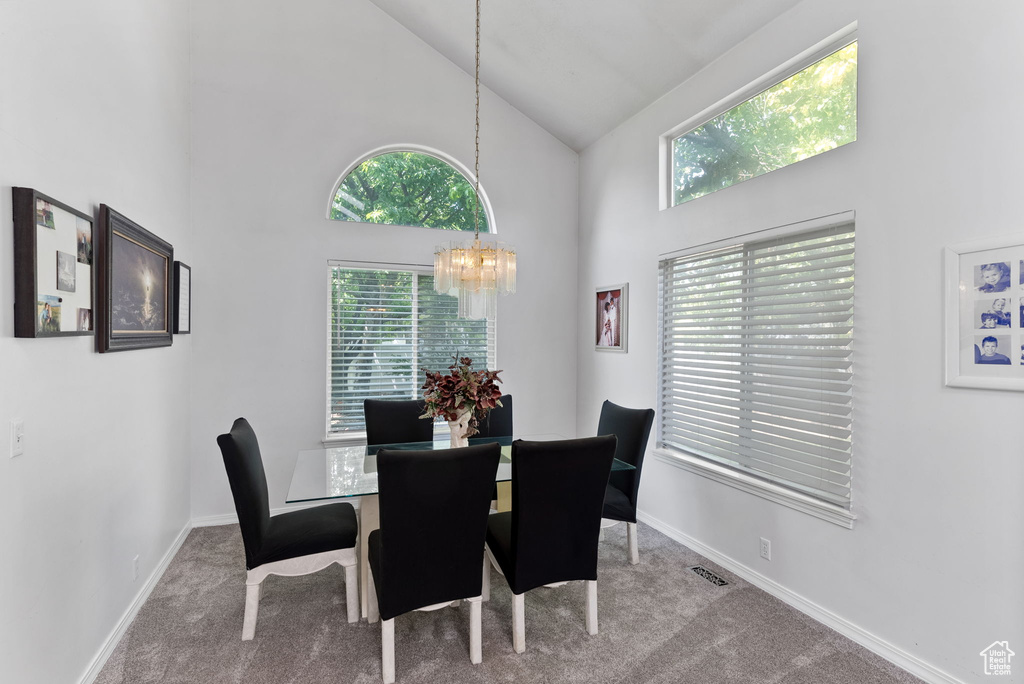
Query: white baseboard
(126, 620)
(215, 520)
(873, 643)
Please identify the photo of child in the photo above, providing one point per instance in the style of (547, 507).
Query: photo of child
(992, 313)
(986, 351)
(48, 313)
(84, 234)
(44, 215)
(994, 277)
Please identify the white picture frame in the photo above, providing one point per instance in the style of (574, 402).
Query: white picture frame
(611, 317)
(984, 313)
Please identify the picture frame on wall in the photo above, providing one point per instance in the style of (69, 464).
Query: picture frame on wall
(182, 298)
(53, 267)
(984, 313)
(611, 317)
(134, 285)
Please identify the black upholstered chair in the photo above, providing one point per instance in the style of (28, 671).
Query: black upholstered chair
(498, 422)
(295, 543)
(395, 421)
(632, 427)
(550, 536)
(429, 549)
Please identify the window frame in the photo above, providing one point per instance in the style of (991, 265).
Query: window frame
(791, 498)
(485, 201)
(358, 437)
(815, 53)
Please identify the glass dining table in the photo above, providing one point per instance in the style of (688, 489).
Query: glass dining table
(339, 472)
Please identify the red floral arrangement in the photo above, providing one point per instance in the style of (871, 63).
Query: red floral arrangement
(449, 395)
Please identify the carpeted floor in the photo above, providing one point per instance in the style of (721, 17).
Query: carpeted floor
(659, 623)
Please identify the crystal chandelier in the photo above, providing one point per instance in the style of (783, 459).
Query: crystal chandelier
(477, 270)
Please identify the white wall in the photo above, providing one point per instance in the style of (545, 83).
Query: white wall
(94, 108)
(285, 96)
(934, 563)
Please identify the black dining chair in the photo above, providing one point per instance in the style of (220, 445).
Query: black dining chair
(498, 422)
(632, 427)
(396, 421)
(429, 549)
(294, 543)
(550, 536)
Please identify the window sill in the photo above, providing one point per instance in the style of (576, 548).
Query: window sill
(766, 490)
(342, 439)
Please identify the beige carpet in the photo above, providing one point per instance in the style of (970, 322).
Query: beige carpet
(659, 623)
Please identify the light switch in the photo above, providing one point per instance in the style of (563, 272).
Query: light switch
(17, 437)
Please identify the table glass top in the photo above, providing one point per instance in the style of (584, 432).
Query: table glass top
(338, 472)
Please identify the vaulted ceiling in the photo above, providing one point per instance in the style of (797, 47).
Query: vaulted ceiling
(579, 68)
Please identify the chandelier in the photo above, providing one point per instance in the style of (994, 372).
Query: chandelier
(477, 270)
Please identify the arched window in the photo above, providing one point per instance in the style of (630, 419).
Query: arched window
(409, 187)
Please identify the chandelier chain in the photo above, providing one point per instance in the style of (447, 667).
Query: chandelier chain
(476, 170)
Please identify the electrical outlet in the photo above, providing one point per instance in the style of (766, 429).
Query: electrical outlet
(766, 548)
(135, 568)
(17, 437)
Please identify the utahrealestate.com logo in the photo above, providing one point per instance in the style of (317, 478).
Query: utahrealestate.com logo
(997, 658)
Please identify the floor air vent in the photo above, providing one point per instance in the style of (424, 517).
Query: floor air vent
(709, 576)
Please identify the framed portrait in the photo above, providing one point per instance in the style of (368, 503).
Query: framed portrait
(134, 286)
(53, 272)
(182, 299)
(985, 314)
(612, 312)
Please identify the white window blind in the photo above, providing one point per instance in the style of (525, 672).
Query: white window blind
(756, 359)
(385, 327)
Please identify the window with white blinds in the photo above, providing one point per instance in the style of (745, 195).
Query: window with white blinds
(385, 327)
(756, 359)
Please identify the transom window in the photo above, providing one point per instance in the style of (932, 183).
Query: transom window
(408, 188)
(756, 360)
(812, 111)
(385, 327)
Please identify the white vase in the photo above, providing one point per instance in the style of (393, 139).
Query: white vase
(460, 428)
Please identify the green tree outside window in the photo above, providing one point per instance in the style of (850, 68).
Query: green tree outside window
(408, 189)
(811, 112)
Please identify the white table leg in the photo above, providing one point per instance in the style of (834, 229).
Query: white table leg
(591, 606)
(252, 608)
(519, 622)
(475, 631)
(387, 649)
(369, 520)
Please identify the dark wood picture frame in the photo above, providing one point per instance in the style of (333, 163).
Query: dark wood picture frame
(182, 298)
(43, 304)
(134, 285)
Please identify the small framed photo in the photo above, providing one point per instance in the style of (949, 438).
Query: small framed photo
(66, 272)
(51, 282)
(134, 285)
(182, 299)
(612, 311)
(985, 314)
